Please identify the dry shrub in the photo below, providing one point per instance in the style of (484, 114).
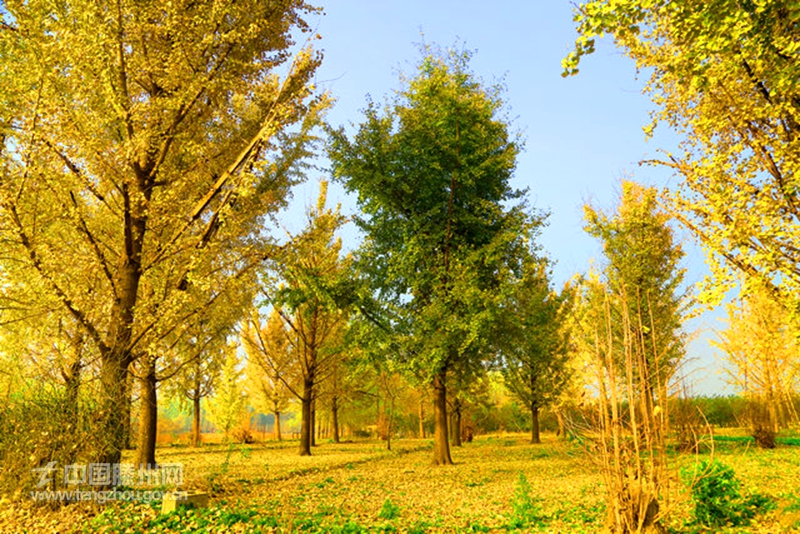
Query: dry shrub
(242, 435)
(688, 425)
(39, 427)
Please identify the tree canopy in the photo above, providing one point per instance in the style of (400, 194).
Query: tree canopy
(724, 75)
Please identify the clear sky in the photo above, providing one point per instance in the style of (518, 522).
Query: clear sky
(583, 134)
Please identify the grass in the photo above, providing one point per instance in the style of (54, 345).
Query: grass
(498, 484)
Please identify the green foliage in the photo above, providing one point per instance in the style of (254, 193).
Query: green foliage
(535, 341)
(389, 510)
(125, 518)
(432, 173)
(228, 403)
(526, 510)
(717, 497)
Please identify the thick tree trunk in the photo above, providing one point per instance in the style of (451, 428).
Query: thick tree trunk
(126, 404)
(535, 424)
(278, 426)
(335, 417)
(441, 445)
(306, 424)
(117, 356)
(197, 439)
(422, 419)
(113, 413)
(148, 417)
(72, 380)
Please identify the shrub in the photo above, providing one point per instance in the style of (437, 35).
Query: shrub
(41, 429)
(242, 435)
(717, 497)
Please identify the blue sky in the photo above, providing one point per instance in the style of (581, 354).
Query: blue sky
(583, 134)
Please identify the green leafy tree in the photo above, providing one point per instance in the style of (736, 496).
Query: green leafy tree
(535, 347)
(629, 325)
(432, 173)
(142, 145)
(724, 75)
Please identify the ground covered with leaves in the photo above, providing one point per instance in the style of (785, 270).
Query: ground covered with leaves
(499, 483)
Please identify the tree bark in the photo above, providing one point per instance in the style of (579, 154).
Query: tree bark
(278, 426)
(306, 424)
(72, 380)
(196, 437)
(441, 445)
(421, 419)
(126, 407)
(335, 417)
(148, 417)
(455, 427)
(535, 438)
(113, 413)
(313, 422)
(117, 356)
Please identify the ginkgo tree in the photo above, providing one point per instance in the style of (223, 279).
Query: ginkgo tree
(271, 365)
(432, 172)
(143, 144)
(301, 288)
(535, 342)
(761, 345)
(724, 75)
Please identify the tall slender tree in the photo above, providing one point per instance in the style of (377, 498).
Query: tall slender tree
(535, 347)
(302, 290)
(644, 275)
(432, 173)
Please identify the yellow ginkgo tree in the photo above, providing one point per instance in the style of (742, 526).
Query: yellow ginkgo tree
(761, 346)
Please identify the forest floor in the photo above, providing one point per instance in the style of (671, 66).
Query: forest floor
(498, 483)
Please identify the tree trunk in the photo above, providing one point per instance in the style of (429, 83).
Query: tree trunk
(126, 404)
(535, 438)
(117, 356)
(389, 425)
(421, 418)
(306, 424)
(335, 417)
(314, 422)
(72, 380)
(441, 445)
(112, 413)
(196, 437)
(455, 427)
(148, 417)
(278, 426)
